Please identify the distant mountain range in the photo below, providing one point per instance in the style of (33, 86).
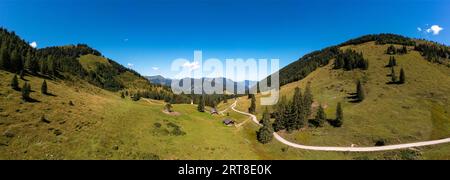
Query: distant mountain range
(158, 79)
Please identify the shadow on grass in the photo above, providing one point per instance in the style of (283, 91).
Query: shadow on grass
(353, 98)
(23, 79)
(333, 123)
(50, 94)
(31, 100)
(355, 101)
(393, 83)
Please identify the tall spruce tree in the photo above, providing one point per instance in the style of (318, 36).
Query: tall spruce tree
(265, 133)
(43, 67)
(393, 76)
(279, 123)
(26, 90)
(321, 117)
(360, 91)
(403, 50)
(391, 62)
(22, 74)
(136, 97)
(252, 108)
(402, 77)
(5, 62)
(16, 62)
(44, 87)
(27, 60)
(31, 64)
(201, 104)
(15, 83)
(51, 64)
(307, 100)
(265, 120)
(339, 116)
(290, 117)
(391, 50)
(299, 109)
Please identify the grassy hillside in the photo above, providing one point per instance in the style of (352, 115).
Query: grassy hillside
(417, 110)
(90, 62)
(84, 117)
(101, 125)
(98, 124)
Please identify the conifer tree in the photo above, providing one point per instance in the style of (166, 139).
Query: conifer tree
(279, 123)
(15, 83)
(298, 109)
(265, 120)
(391, 50)
(32, 65)
(27, 60)
(290, 117)
(21, 74)
(321, 117)
(339, 116)
(51, 65)
(43, 66)
(265, 133)
(403, 50)
(122, 95)
(359, 91)
(5, 62)
(44, 87)
(402, 76)
(252, 108)
(391, 63)
(16, 62)
(307, 100)
(136, 97)
(393, 76)
(26, 89)
(365, 64)
(201, 104)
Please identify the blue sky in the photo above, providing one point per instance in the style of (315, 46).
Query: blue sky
(151, 34)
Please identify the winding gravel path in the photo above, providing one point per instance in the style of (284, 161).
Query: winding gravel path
(345, 149)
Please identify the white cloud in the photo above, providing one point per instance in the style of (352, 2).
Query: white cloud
(192, 66)
(435, 29)
(155, 68)
(130, 65)
(33, 44)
